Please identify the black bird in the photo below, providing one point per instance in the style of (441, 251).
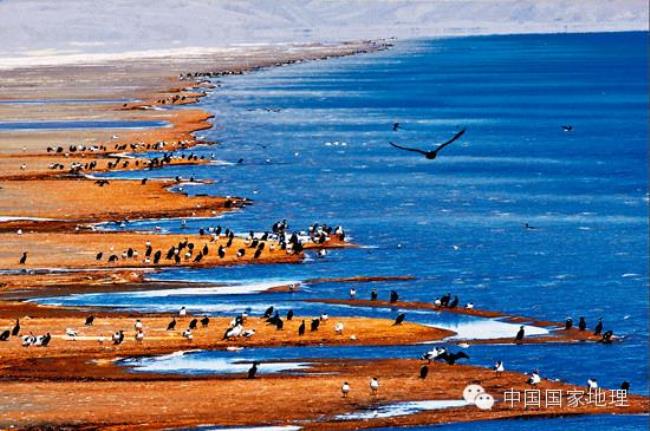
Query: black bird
(373, 295)
(444, 301)
(529, 227)
(23, 259)
(46, 340)
(625, 386)
(99, 256)
(607, 337)
(268, 313)
(520, 335)
(315, 323)
(16, 330)
(290, 314)
(193, 323)
(279, 324)
(451, 358)
(205, 321)
(424, 371)
(599, 327)
(396, 127)
(5, 335)
(399, 319)
(454, 302)
(433, 153)
(205, 249)
(172, 325)
(156, 257)
(252, 371)
(221, 252)
(394, 296)
(567, 128)
(89, 320)
(301, 328)
(582, 324)
(568, 324)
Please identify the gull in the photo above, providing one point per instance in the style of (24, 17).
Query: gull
(338, 328)
(345, 389)
(71, 333)
(432, 154)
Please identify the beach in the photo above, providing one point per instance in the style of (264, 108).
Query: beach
(71, 220)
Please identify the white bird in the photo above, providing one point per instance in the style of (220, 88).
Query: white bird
(437, 303)
(28, 340)
(534, 378)
(139, 336)
(138, 325)
(469, 306)
(19, 231)
(353, 337)
(187, 334)
(353, 293)
(248, 333)
(101, 339)
(498, 367)
(234, 332)
(463, 345)
(433, 354)
(374, 385)
(182, 311)
(322, 252)
(345, 389)
(338, 328)
(324, 317)
(71, 333)
(592, 383)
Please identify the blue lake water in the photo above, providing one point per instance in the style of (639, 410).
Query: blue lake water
(314, 139)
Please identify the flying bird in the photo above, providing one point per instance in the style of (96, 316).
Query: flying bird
(432, 154)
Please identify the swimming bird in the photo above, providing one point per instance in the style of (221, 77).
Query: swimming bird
(373, 295)
(23, 259)
(424, 371)
(252, 371)
(5, 335)
(433, 354)
(567, 128)
(451, 358)
(374, 385)
(172, 325)
(399, 319)
(529, 227)
(568, 324)
(599, 327)
(534, 378)
(205, 321)
(520, 335)
(338, 328)
(301, 328)
(345, 389)
(582, 324)
(499, 367)
(432, 154)
(469, 306)
(16, 329)
(396, 127)
(607, 337)
(353, 293)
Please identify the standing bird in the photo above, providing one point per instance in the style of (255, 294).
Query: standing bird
(432, 154)
(301, 328)
(315, 323)
(290, 314)
(568, 324)
(625, 386)
(23, 259)
(520, 335)
(599, 327)
(534, 378)
(172, 325)
(499, 367)
(345, 389)
(399, 319)
(582, 324)
(5, 335)
(592, 384)
(183, 311)
(89, 320)
(394, 296)
(16, 329)
(193, 323)
(252, 371)
(424, 372)
(205, 321)
(374, 386)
